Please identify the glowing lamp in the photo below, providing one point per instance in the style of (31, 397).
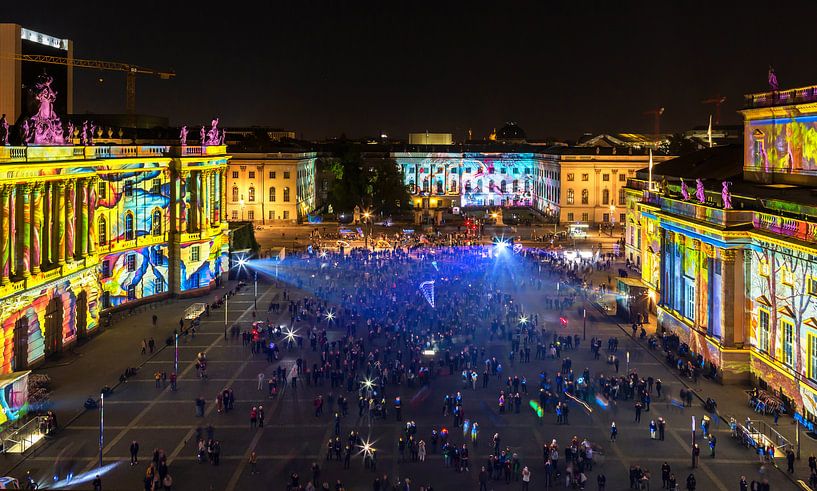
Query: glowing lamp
(563, 321)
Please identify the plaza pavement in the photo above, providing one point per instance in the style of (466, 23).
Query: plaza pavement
(294, 438)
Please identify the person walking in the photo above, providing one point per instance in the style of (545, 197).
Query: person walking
(525, 478)
(483, 479)
(253, 463)
(790, 461)
(421, 451)
(613, 431)
(691, 482)
(144, 346)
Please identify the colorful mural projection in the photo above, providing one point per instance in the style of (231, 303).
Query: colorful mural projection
(201, 263)
(44, 335)
(787, 146)
(135, 274)
(138, 194)
(480, 180)
(783, 316)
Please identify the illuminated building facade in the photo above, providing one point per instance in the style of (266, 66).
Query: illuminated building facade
(272, 187)
(88, 228)
(726, 241)
(479, 179)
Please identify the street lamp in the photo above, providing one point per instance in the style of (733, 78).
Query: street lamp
(366, 216)
(101, 426)
(225, 316)
(628, 362)
(241, 205)
(612, 218)
(693, 442)
(255, 286)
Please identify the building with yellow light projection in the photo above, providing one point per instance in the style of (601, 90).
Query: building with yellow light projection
(726, 242)
(88, 228)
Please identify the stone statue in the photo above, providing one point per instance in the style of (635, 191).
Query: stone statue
(45, 127)
(213, 135)
(183, 135)
(4, 127)
(700, 192)
(70, 133)
(110, 132)
(726, 195)
(664, 186)
(91, 134)
(83, 134)
(223, 137)
(684, 190)
(773, 85)
(202, 136)
(25, 133)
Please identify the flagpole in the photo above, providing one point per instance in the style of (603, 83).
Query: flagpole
(650, 180)
(709, 131)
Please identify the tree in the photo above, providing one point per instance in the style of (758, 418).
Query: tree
(678, 145)
(388, 191)
(369, 183)
(351, 179)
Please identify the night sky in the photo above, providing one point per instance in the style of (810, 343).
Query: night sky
(323, 68)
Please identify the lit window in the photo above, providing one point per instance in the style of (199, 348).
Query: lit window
(570, 197)
(286, 215)
(129, 188)
(235, 174)
(286, 195)
(131, 292)
(251, 194)
(102, 237)
(585, 177)
(570, 216)
(272, 195)
(763, 267)
(102, 190)
(157, 222)
(689, 298)
(194, 253)
(788, 343)
(156, 188)
(585, 217)
(158, 285)
(131, 260)
(763, 331)
(251, 215)
(812, 357)
(585, 196)
(251, 174)
(605, 177)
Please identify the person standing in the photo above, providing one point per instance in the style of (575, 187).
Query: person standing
(97, 483)
(613, 432)
(691, 482)
(253, 463)
(790, 461)
(601, 480)
(421, 451)
(525, 478)
(483, 479)
(134, 453)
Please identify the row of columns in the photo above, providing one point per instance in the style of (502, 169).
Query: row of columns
(204, 199)
(44, 224)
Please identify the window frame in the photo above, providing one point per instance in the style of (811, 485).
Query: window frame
(763, 334)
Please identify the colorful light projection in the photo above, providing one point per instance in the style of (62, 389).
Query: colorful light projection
(784, 315)
(134, 274)
(201, 262)
(782, 145)
(479, 180)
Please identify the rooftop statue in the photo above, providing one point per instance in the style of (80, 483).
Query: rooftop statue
(700, 192)
(4, 128)
(684, 190)
(773, 85)
(46, 125)
(213, 135)
(183, 135)
(726, 195)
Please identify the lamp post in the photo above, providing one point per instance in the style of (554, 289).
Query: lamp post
(101, 425)
(241, 205)
(628, 362)
(584, 317)
(176, 357)
(225, 316)
(366, 216)
(255, 289)
(693, 442)
(612, 219)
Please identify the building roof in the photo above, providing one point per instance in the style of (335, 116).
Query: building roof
(511, 132)
(724, 162)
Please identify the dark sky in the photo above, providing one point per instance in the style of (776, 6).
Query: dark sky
(325, 67)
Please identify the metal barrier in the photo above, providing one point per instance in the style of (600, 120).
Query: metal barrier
(759, 433)
(20, 439)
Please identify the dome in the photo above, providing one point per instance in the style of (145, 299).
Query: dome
(511, 133)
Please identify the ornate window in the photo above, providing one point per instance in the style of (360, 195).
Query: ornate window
(128, 226)
(503, 187)
(286, 195)
(235, 193)
(272, 194)
(605, 197)
(102, 236)
(570, 197)
(157, 222)
(788, 342)
(585, 196)
(763, 330)
(251, 194)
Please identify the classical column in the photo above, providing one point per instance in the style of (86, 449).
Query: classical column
(90, 233)
(45, 231)
(184, 208)
(24, 262)
(82, 225)
(70, 219)
(222, 194)
(204, 200)
(59, 222)
(11, 238)
(732, 321)
(36, 225)
(4, 235)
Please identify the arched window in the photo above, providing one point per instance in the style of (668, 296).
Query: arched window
(251, 194)
(453, 187)
(491, 186)
(502, 186)
(235, 193)
(102, 236)
(527, 185)
(425, 184)
(468, 186)
(570, 196)
(585, 196)
(515, 186)
(411, 187)
(128, 226)
(157, 222)
(605, 197)
(286, 195)
(272, 194)
(439, 187)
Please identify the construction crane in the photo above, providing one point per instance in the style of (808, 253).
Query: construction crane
(717, 101)
(131, 71)
(656, 113)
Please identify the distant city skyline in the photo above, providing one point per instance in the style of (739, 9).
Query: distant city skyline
(326, 69)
